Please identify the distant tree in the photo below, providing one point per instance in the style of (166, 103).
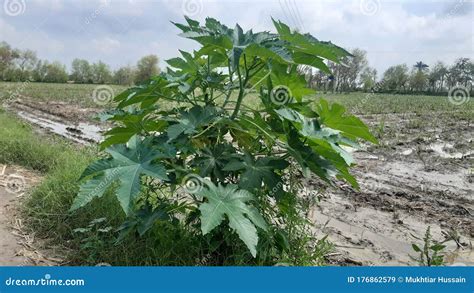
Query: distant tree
(396, 77)
(81, 71)
(368, 78)
(420, 66)
(26, 62)
(124, 75)
(146, 68)
(56, 72)
(40, 71)
(101, 73)
(418, 80)
(460, 73)
(437, 76)
(347, 76)
(7, 57)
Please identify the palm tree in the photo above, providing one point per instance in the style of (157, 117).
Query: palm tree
(420, 65)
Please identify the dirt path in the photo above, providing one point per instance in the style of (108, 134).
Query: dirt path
(10, 247)
(17, 248)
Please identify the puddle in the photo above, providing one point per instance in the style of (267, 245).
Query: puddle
(80, 132)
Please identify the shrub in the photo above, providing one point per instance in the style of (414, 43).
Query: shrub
(218, 142)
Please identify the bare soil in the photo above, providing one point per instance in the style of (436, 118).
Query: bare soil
(417, 177)
(18, 248)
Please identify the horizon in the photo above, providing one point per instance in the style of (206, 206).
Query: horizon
(119, 33)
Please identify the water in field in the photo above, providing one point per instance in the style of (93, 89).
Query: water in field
(80, 132)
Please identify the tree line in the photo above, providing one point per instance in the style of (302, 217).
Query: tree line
(24, 65)
(356, 75)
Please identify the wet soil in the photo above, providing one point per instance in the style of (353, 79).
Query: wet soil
(420, 175)
(71, 122)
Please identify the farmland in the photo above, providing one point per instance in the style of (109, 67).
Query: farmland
(419, 175)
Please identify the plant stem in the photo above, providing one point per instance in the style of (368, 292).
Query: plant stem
(242, 85)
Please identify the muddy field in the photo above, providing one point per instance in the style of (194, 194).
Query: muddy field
(419, 175)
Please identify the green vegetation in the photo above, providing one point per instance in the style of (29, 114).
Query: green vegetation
(73, 94)
(90, 237)
(368, 103)
(357, 102)
(23, 65)
(430, 253)
(215, 166)
(204, 164)
(63, 164)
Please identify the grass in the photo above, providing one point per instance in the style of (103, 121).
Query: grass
(75, 94)
(366, 103)
(358, 102)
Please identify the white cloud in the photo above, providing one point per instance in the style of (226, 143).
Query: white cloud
(106, 45)
(123, 31)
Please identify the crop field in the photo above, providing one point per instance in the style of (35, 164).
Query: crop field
(418, 175)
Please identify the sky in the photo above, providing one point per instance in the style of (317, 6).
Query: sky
(119, 32)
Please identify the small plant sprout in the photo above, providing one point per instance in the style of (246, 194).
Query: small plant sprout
(430, 254)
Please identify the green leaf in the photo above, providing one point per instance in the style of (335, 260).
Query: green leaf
(134, 123)
(438, 247)
(415, 248)
(311, 60)
(291, 79)
(145, 94)
(306, 43)
(125, 166)
(258, 171)
(191, 120)
(211, 160)
(231, 202)
(351, 126)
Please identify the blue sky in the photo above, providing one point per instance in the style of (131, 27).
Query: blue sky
(119, 32)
